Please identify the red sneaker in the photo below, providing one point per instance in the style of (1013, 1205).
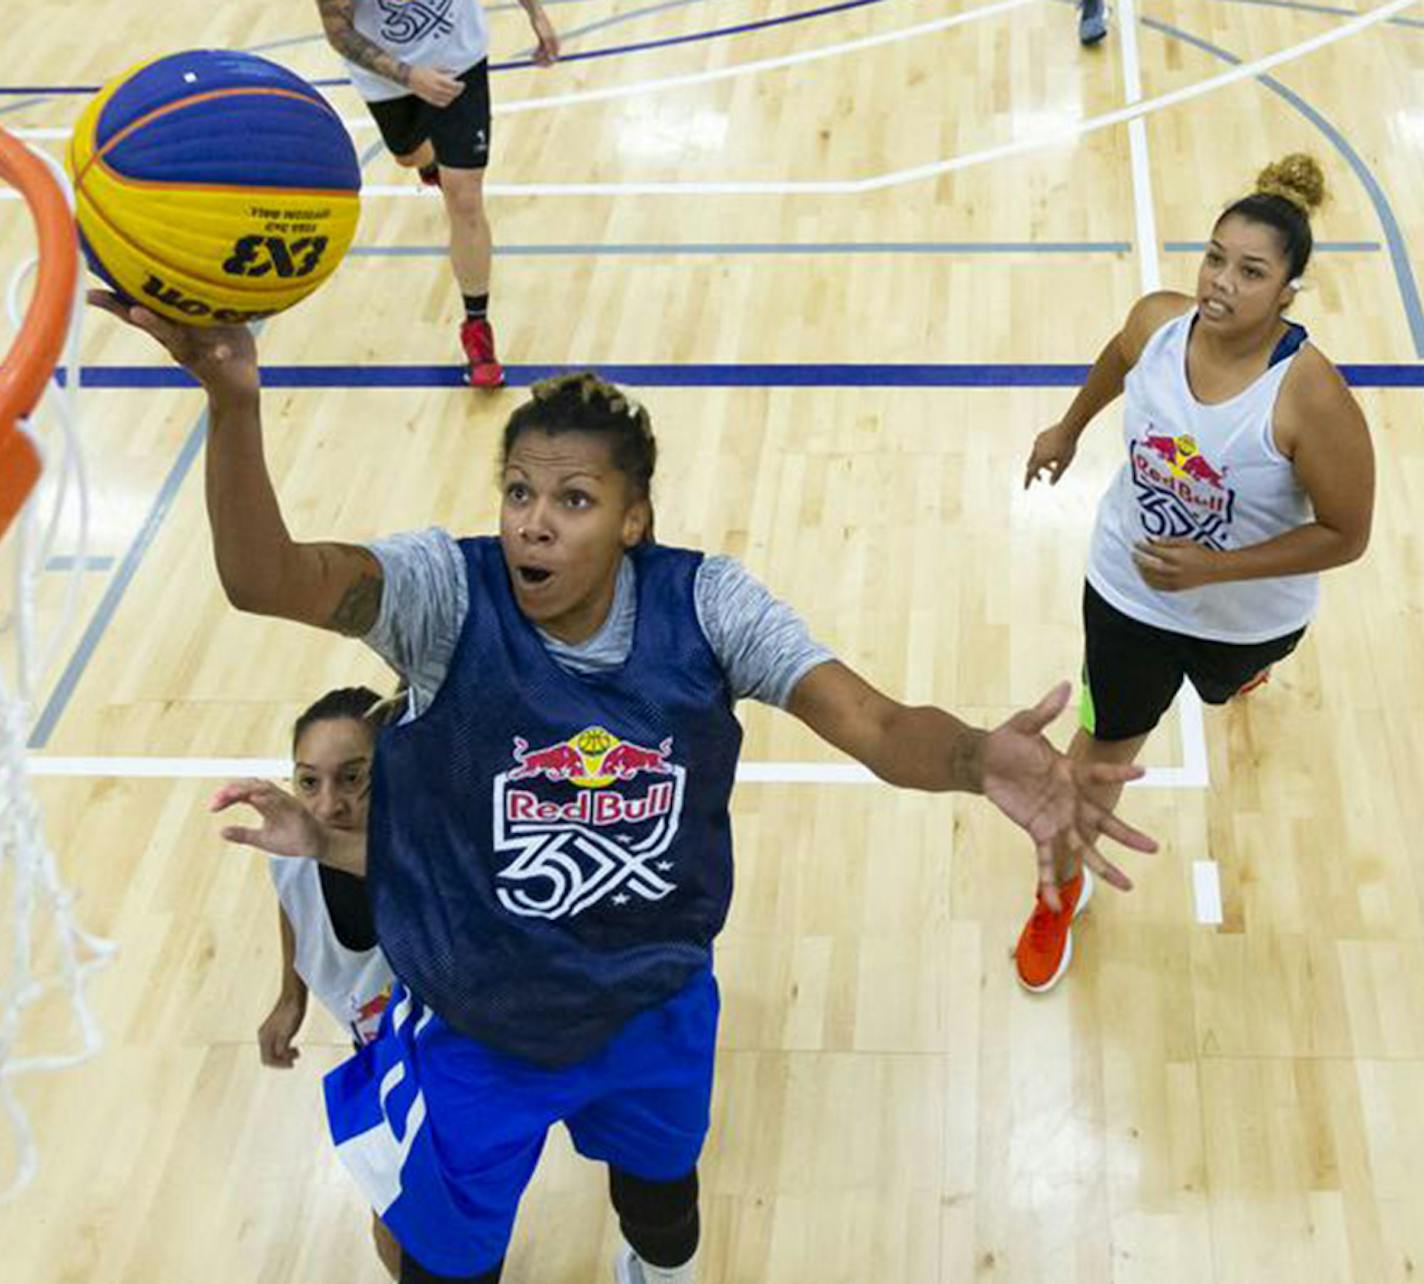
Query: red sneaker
(477, 338)
(1045, 945)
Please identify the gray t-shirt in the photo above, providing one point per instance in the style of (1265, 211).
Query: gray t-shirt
(762, 645)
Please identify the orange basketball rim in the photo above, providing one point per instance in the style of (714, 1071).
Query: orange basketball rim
(30, 361)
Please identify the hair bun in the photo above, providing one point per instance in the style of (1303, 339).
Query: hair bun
(1296, 178)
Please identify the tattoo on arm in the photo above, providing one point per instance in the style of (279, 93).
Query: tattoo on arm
(341, 34)
(357, 572)
(359, 608)
(966, 759)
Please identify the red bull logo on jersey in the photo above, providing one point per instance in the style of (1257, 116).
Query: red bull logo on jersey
(592, 759)
(586, 820)
(1180, 493)
(1182, 459)
(366, 1016)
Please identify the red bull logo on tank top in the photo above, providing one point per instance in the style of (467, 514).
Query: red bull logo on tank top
(1180, 493)
(586, 820)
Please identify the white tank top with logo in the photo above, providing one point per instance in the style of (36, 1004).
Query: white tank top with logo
(447, 35)
(353, 985)
(1210, 473)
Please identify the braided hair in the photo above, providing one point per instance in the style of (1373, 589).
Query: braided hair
(582, 402)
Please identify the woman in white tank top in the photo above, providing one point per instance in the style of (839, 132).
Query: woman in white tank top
(328, 939)
(1249, 471)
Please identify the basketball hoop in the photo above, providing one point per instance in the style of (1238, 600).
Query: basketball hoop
(41, 909)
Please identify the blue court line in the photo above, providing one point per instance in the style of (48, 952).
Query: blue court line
(1394, 238)
(699, 375)
(674, 249)
(66, 562)
(117, 586)
(1321, 247)
(615, 20)
(671, 249)
(612, 51)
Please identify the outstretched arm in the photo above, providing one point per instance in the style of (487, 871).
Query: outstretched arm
(262, 569)
(1041, 790)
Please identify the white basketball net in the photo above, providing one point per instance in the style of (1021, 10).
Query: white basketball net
(49, 953)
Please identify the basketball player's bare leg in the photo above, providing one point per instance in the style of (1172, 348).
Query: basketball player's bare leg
(1045, 947)
(422, 157)
(471, 255)
(387, 1249)
(423, 161)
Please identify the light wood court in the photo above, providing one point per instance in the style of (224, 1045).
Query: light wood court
(1198, 1103)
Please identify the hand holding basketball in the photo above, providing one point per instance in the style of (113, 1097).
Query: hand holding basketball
(1050, 795)
(223, 358)
(438, 88)
(1053, 450)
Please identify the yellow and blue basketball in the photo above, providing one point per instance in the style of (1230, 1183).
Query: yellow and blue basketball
(213, 186)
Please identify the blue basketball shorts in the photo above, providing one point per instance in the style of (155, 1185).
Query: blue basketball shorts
(443, 1133)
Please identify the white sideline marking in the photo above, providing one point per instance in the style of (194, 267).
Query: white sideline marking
(759, 773)
(1206, 891)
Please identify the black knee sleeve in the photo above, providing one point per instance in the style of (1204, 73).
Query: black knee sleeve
(412, 1272)
(659, 1218)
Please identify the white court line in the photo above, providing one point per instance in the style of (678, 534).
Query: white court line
(1206, 891)
(759, 773)
(1193, 724)
(1189, 705)
(1149, 267)
(580, 96)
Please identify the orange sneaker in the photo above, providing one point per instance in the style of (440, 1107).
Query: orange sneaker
(1045, 945)
(477, 339)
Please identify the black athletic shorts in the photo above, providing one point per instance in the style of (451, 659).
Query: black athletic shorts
(460, 132)
(1132, 671)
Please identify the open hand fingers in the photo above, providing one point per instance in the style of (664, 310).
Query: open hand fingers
(1102, 867)
(1121, 832)
(135, 314)
(107, 301)
(1032, 721)
(241, 791)
(1107, 773)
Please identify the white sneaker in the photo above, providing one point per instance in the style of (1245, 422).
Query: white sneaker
(629, 1268)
